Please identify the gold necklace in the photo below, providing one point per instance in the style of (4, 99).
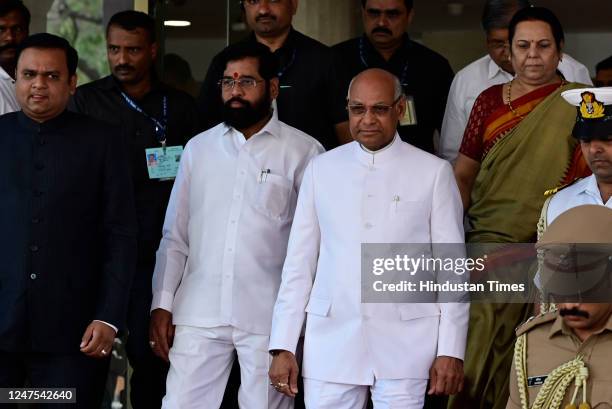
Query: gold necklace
(509, 101)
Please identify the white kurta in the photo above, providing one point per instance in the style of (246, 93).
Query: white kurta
(471, 81)
(8, 101)
(226, 229)
(583, 192)
(347, 198)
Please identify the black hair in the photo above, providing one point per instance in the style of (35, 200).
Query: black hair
(131, 20)
(6, 6)
(268, 63)
(408, 3)
(50, 41)
(604, 65)
(498, 13)
(538, 14)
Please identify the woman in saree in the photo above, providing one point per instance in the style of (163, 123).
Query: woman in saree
(517, 145)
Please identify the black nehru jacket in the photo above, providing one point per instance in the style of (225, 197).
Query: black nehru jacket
(68, 245)
(305, 97)
(425, 75)
(102, 100)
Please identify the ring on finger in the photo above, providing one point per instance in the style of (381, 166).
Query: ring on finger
(103, 352)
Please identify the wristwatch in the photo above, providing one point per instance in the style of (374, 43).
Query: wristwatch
(275, 352)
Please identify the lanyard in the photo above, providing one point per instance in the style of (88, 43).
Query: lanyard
(365, 63)
(160, 126)
(289, 64)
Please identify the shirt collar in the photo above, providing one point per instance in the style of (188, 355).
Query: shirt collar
(288, 45)
(110, 83)
(4, 75)
(495, 70)
(272, 127)
(560, 327)
(371, 51)
(591, 188)
(47, 126)
(380, 156)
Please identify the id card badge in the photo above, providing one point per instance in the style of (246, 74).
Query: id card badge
(409, 117)
(162, 163)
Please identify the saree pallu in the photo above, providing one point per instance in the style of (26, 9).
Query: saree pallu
(524, 159)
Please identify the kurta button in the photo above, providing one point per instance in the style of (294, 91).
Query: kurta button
(33, 276)
(34, 248)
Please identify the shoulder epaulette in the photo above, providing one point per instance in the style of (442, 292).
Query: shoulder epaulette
(551, 192)
(536, 321)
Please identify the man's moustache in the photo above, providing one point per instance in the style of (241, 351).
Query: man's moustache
(381, 30)
(239, 100)
(262, 16)
(8, 47)
(124, 67)
(575, 312)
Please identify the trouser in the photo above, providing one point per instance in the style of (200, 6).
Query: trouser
(386, 394)
(148, 380)
(200, 364)
(46, 370)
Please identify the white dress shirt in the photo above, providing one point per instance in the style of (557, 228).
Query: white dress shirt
(349, 196)
(226, 229)
(8, 101)
(583, 192)
(471, 81)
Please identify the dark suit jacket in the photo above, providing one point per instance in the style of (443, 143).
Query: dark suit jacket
(68, 245)
(102, 100)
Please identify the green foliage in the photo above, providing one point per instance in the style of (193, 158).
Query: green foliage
(80, 22)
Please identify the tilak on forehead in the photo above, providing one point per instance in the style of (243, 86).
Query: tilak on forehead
(236, 75)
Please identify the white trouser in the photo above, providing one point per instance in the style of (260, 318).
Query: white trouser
(200, 364)
(386, 394)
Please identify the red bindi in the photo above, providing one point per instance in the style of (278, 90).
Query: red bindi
(236, 75)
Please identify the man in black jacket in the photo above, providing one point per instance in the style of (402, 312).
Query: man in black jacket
(68, 245)
(156, 121)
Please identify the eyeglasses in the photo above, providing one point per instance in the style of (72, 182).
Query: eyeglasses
(379, 110)
(256, 2)
(245, 83)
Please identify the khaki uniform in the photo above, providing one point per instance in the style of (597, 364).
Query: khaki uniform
(549, 345)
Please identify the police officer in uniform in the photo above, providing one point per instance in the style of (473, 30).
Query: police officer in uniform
(562, 357)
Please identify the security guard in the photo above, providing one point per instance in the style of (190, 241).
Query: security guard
(425, 75)
(562, 357)
(594, 131)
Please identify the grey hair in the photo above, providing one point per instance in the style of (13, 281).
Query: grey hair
(398, 91)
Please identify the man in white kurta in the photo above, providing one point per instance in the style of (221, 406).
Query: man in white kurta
(492, 69)
(377, 189)
(14, 22)
(219, 263)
